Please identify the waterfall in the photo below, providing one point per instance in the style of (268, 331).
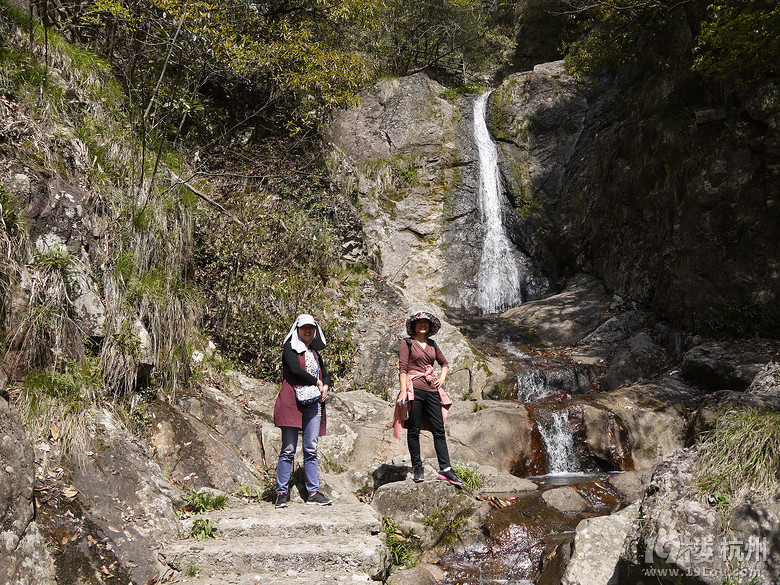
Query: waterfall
(498, 278)
(531, 386)
(562, 456)
(535, 384)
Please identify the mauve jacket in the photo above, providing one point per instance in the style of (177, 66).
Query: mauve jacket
(287, 411)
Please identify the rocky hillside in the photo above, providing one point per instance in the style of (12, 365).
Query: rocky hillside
(133, 452)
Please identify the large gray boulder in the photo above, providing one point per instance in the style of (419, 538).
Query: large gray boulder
(680, 530)
(194, 454)
(24, 556)
(565, 318)
(650, 417)
(500, 436)
(126, 497)
(442, 516)
(719, 365)
(767, 381)
(598, 544)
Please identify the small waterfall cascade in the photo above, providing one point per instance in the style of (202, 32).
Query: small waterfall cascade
(498, 278)
(533, 386)
(562, 456)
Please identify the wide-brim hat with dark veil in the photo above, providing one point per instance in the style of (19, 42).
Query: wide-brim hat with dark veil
(435, 323)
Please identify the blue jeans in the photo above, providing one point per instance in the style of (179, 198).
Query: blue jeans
(311, 435)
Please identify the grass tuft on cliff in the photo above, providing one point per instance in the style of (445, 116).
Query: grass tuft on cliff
(740, 454)
(72, 120)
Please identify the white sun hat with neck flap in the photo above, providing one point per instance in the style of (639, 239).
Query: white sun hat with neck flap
(317, 343)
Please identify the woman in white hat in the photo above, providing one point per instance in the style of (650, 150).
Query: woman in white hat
(422, 396)
(299, 407)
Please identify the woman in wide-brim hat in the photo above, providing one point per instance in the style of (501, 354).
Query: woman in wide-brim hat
(435, 324)
(422, 402)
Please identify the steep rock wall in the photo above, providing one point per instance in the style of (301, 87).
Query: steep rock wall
(406, 156)
(659, 191)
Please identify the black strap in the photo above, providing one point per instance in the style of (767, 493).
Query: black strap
(409, 343)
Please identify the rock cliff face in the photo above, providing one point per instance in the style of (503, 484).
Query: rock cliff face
(25, 560)
(405, 148)
(670, 202)
(410, 156)
(407, 156)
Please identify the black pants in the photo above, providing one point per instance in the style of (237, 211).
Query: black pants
(426, 404)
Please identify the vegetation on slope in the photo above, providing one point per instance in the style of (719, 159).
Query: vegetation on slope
(69, 118)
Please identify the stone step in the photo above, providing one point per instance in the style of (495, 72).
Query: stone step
(338, 553)
(276, 578)
(298, 520)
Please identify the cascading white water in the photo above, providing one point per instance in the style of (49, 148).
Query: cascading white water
(498, 278)
(562, 456)
(532, 386)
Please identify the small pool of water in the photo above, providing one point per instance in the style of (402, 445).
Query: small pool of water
(523, 538)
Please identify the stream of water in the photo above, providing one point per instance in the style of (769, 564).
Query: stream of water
(524, 533)
(558, 440)
(498, 278)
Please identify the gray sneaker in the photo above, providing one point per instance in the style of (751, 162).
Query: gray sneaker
(281, 500)
(419, 474)
(319, 499)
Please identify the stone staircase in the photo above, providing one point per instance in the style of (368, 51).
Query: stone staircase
(257, 544)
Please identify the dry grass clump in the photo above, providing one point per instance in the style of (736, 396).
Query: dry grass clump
(740, 455)
(72, 118)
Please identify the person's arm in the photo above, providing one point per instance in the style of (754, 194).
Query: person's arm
(290, 360)
(443, 376)
(445, 366)
(324, 385)
(403, 366)
(402, 392)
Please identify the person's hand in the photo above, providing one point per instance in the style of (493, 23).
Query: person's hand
(401, 398)
(323, 391)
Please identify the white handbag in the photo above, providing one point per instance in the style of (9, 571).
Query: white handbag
(306, 394)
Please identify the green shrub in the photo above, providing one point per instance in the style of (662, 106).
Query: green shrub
(282, 262)
(402, 550)
(468, 473)
(203, 528)
(202, 501)
(61, 399)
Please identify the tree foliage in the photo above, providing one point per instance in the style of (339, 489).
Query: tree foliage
(731, 40)
(739, 40)
(260, 275)
(450, 36)
(297, 58)
(618, 34)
